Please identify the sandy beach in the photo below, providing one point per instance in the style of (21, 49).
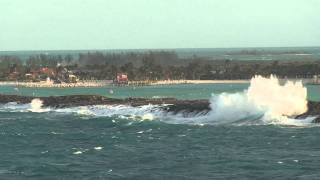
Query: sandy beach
(101, 83)
(45, 84)
(167, 82)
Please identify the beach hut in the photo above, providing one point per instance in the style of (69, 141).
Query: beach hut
(73, 78)
(122, 78)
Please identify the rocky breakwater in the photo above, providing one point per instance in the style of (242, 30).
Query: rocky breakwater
(313, 110)
(172, 105)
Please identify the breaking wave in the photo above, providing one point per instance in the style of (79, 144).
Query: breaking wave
(266, 101)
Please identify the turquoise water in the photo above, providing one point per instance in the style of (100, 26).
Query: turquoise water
(186, 91)
(178, 91)
(108, 143)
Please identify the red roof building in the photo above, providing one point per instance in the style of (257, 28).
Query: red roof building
(122, 78)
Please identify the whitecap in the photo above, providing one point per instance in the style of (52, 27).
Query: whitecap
(77, 152)
(98, 148)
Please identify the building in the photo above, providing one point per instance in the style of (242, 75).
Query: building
(122, 78)
(49, 72)
(73, 78)
(316, 79)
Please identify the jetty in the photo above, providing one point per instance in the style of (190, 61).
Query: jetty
(172, 105)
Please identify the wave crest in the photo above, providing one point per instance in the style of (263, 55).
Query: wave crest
(266, 101)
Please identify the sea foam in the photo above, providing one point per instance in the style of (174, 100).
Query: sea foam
(266, 101)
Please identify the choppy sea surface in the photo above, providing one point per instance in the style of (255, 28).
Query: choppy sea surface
(108, 142)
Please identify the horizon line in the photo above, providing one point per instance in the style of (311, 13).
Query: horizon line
(134, 49)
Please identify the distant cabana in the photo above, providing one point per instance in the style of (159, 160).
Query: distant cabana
(73, 78)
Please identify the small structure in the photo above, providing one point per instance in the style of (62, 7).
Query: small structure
(49, 81)
(73, 78)
(49, 72)
(122, 78)
(316, 79)
(29, 77)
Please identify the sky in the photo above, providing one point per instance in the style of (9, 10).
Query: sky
(154, 24)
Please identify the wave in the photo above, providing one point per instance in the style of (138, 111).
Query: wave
(264, 102)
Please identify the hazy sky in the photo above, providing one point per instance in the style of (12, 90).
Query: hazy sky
(133, 24)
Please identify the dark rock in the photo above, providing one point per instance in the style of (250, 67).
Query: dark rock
(313, 110)
(189, 106)
(14, 98)
(172, 105)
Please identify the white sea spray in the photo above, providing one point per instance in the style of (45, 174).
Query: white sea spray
(36, 105)
(266, 101)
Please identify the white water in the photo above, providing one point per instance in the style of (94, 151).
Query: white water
(264, 102)
(289, 99)
(147, 112)
(35, 105)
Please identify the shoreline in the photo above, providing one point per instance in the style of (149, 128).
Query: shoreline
(103, 83)
(166, 82)
(44, 84)
(232, 81)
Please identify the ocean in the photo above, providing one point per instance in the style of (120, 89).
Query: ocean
(238, 54)
(235, 141)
